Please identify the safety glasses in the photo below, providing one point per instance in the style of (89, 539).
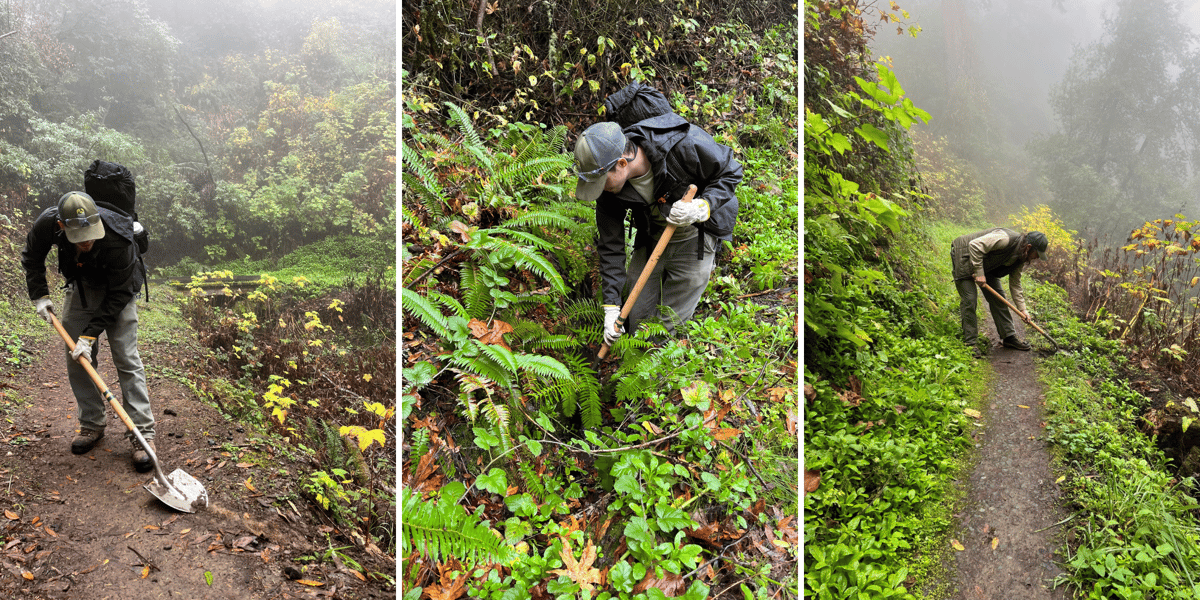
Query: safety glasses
(596, 174)
(80, 222)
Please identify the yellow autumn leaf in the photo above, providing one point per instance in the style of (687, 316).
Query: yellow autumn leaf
(145, 571)
(957, 545)
(249, 486)
(974, 414)
(365, 436)
(367, 378)
(995, 542)
(1022, 406)
(27, 575)
(309, 582)
(1060, 479)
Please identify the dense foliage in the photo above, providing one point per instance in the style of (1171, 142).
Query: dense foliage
(530, 467)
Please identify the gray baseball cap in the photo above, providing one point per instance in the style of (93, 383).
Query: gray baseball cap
(79, 217)
(598, 149)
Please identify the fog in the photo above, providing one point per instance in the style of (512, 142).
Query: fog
(988, 71)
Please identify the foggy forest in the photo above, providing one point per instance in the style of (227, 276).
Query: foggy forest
(262, 139)
(1053, 456)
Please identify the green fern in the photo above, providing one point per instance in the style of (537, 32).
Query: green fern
(440, 530)
(420, 307)
(422, 182)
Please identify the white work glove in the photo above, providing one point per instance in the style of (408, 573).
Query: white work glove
(83, 347)
(686, 213)
(611, 330)
(44, 308)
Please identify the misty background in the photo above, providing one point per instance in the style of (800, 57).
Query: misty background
(1088, 106)
(253, 127)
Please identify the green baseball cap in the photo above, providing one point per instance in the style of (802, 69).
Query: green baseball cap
(598, 149)
(79, 217)
(1039, 242)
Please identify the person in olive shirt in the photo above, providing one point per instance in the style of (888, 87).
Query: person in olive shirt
(984, 257)
(98, 257)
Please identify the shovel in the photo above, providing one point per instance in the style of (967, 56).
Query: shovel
(178, 490)
(649, 268)
(1024, 316)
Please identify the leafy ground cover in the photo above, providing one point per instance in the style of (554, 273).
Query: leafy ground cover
(530, 468)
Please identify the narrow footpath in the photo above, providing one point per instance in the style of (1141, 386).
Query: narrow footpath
(1009, 521)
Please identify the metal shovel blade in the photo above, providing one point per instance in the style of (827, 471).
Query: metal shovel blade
(180, 491)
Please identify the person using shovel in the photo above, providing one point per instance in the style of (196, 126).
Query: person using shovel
(982, 258)
(98, 258)
(645, 170)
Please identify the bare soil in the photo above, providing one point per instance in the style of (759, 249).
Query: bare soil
(84, 527)
(1010, 524)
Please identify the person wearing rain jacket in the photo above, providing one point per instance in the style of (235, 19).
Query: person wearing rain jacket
(984, 257)
(98, 258)
(644, 170)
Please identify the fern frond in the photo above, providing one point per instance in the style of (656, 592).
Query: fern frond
(440, 530)
(484, 368)
(501, 356)
(471, 141)
(475, 291)
(451, 303)
(558, 139)
(542, 366)
(499, 418)
(421, 308)
(422, 182)
(541, 218)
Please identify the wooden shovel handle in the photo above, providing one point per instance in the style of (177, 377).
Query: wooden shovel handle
(1023, 315)
(87, 364)
(651, 262)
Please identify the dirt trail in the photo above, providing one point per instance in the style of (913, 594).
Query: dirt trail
(83, 526)
(1012, 496)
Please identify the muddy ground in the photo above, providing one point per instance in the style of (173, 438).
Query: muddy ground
(84, 527)
(1010, 523)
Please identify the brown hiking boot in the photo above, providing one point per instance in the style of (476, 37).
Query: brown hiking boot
(141, 459)
(86, 440)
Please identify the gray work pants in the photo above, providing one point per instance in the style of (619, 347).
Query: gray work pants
(122, 340)
(968, 292)
(677, 282)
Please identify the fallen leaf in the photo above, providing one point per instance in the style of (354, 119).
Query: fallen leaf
(580, 571)
(51, 531)
(974, 414)
(995, 542)
(12, 516)
(1022, 406)
(357, 574)
(248, 485)
(310, 582)
(812, 480)
(1060, 479)
(27, 575)
(957, 545)
(671, 584)
(245, 465)
(145, 571)
(724, 434)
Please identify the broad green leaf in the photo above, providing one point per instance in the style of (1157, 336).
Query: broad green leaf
(495, 481)
(872, 134)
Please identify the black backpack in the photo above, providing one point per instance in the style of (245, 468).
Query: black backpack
(636, 102)
(113, 186)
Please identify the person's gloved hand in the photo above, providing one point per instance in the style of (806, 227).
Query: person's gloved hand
(611, 330)
(44, 307)
(686, 213)
(83, 347)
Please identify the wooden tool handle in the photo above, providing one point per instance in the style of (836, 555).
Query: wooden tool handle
(1023, 315)
(87, 364)
(647, 270)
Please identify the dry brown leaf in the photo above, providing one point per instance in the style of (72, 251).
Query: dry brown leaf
(812, 480)
(974, 414)
(957, 545)
(52, 533)
(145, 571)
(27, 575)
(725, 434)
(671, 584)
(580, 571)
(309, 582)
(790, 423)
(12, 516)
(245, 465)
(248, 485)
(490, 335)
(778, 394)
(357, 574)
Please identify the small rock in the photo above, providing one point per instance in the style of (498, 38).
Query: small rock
(292, 573)
(169, 411)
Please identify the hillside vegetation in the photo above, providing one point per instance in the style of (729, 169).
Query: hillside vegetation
(530, 467)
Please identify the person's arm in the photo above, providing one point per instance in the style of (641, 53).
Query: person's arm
(716, 173)
(38, 242)
(996, 240)
(610, 246)
(1015, 290)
